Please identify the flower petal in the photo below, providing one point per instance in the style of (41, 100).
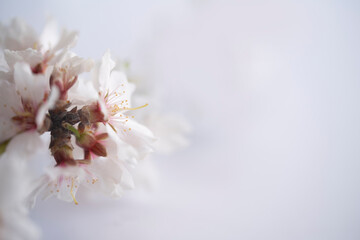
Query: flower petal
(10, 102)
(49, 104)
(17, 36)
(30, 56)
(32, 87)
(137, 135)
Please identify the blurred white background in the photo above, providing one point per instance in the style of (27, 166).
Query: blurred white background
(271, 89)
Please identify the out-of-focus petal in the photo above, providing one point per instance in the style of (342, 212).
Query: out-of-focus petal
(17, 35)
(46, 106)
(31, 87)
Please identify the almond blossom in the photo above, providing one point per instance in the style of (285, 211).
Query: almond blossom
(111, 141)
(89, 124)
(25, 101)
(35, 82)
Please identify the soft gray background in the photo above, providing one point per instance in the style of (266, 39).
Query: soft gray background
(272, 91)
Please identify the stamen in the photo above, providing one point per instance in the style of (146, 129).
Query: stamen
(113, 128)
(16, 112)
(71, 192)
(107, 94)
(145, 105)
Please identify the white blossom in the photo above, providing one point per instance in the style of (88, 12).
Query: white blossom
(109, 175)
(25, 101)
(114, 99)
(15, 187)
(94, 140)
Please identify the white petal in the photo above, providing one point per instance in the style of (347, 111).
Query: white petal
(118, 150)
(127, 181)
(83, 92)
(18, 36)
(32, 87)
(3, 65)
(15, 223)
(67, 40)
(102, 72)
(30, 56)
(70, 64)
(49, 104)
(77, 65)
(63, 182)
(7, 129)
(140, 137)
(112, 177)
(14, 168)
(6, 76)
(30, 143)
(118, 82)
(49, 36)
(10, 102)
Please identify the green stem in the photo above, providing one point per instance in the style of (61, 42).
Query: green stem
(71, 128)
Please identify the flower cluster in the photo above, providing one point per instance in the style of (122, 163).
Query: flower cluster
(85, 125)
(93, 135)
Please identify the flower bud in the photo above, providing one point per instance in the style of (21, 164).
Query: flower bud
(90, 142)
(91, 114)
(86, 140)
